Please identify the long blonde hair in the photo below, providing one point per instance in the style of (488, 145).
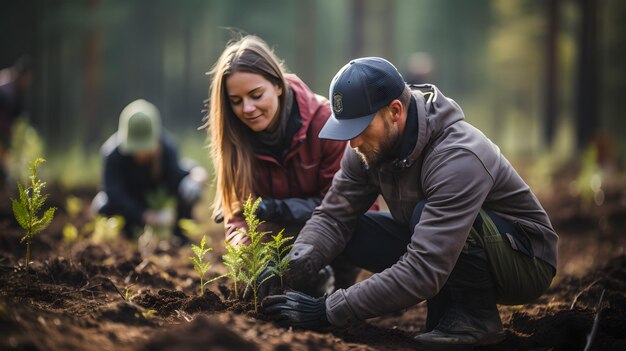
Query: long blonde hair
(232, 156)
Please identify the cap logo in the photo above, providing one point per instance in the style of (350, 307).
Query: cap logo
(337, 103)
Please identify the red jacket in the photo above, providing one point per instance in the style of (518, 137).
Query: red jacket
(304, 176)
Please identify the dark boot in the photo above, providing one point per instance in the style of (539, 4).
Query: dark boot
(463, 326)
(464, 313)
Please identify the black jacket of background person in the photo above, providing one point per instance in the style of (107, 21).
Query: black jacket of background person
(127, 184)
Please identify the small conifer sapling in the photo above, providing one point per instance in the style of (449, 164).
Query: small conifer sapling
(233, 260)
(199, 265)
(279, 259)
(26, 209)
(255, 255)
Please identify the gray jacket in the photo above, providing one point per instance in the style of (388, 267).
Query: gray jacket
(458, 170)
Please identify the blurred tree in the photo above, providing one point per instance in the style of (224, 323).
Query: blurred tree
(92, 75)
(613, 74)
(587, 111)
(516, 64)
(551, 95)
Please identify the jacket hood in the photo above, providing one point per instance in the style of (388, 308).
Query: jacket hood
(435, 112)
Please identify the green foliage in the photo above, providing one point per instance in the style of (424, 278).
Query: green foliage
(189, 227)
(26, 145)
(255, 255)
(105, 229)
(246, 262)
(148, 313)
(75, 167)
(74, 207)
(159, 199)
(27, 207)
(279, 260)
(234, 261)
(129, 294)
(70, 233)
(588, 184)
(199, 265)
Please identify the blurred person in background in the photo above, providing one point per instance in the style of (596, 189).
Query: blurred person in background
(263, 126)
(420, 68)
(464, 231)
(14, 83)
(141, 160)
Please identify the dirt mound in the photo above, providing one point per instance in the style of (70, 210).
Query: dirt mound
(201, 334)
(165, 302)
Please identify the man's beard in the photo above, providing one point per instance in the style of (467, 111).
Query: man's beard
(375, 156)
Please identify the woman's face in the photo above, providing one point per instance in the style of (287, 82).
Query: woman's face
(254, 100)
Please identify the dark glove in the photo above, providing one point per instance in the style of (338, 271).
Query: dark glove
(267, 209)
(269, 286)
(296, 309)
(304, 269)
(219, 218)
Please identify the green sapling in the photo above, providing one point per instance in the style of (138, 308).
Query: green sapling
(255, 255)
(27, 207)
(279, 260)
(199, 265)
(234, 261)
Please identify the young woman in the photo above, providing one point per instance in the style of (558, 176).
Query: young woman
(263, 126)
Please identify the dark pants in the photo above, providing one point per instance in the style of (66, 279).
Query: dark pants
(488, 269)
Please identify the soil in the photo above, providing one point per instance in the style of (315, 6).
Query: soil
(106, 296)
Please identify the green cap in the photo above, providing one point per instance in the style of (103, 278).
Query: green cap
(139, 127)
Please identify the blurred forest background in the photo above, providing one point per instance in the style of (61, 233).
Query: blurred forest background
(541, 78)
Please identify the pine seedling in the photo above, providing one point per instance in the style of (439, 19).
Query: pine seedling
(255, 255)
(279, 260)
(27, 207)
(199, 265)
(129, 294)
(234, 261)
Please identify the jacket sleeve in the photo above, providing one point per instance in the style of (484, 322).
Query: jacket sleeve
(115, 188)
(332, 223)
(294, 210)
(455, 184)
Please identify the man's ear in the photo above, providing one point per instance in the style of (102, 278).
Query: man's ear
(396, 109)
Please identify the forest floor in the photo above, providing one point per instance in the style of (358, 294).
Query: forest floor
(106, 296)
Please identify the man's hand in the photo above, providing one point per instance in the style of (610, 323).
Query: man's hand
(298, 310)
(269, 287)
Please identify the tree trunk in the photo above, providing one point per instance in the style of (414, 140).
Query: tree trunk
(551, 93)
(588, 80)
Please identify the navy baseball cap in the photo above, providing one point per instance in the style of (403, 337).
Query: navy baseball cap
(357, 92)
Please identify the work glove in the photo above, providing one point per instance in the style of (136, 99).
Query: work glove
(305, 269)
(267, 209)
(269, 286)
(219, 218)
(190, 189)
(296, 309)
(163, 217)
